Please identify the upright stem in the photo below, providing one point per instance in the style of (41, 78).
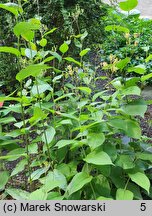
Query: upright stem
(26, 140)
(44, 131)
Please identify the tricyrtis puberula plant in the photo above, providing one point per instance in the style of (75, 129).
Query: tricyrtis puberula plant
(66, 139)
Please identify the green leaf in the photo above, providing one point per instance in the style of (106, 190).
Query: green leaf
(64, 48)
(149, 58)
(31, 70)
(37, 116)
(117, 28)
(136, 107)
(56, 55)
(15, 154)
(125, 161)
(70, 59)
(40, 87)
(30, 53)
(131, 90)
(54, 196)
(84, 52)
(39, 194)
(133, 129)
(37, 173)
(9, 142)
(78, 181)
(63, 143)
(117, 177)
(139, 69)
(12, 7)
(146, 77)
(144, 156)
(123, 63)
(98, 158)
(54, 179)
(128, 5)
(26, 29)
(95, 140)
(19, 167)
(50, 32)
(63, 96)
(48, 59)
(123, 194)
(10, 50)
(4, 176)
(130, 127)
(104, 198)
(10, 99)
(43, 42)
(7, 120)
(85, 89)
(48, 136)
(140, 179)
(17, 194)
(135, 189)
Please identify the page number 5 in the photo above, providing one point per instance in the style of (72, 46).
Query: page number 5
(143, 207)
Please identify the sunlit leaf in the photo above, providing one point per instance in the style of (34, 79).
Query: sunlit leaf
(123, 194)
(140, 179)
(78, 181)
(10, 50)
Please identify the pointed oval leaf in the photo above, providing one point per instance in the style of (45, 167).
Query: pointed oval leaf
(63, 143)
(131, 90)
(64, 48)
(30, 53)
(39, 194)
(133, 129)
(48, 136)
(3, 179)
(78, 181)
(54, 179)
(117, 28)
(146, 77)
(125, 161)
(128, 5)
(10, 50)
(50, 32)
(123, 194)
(85, 89)
(54, 196)
(95, 140)
(43, 42)
(136, 107)
(12, 7)
(98, 158)
(18, 194)
(84, 52)
(31, 70)
(123, 63)
(139, 69)
(19, 167)
(140, 179)
(70, 59)
(149, 58)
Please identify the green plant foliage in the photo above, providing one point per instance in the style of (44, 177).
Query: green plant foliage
(61, 131)
(128, 5)
(123, 194)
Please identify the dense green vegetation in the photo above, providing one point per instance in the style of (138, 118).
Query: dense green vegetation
(63, 123)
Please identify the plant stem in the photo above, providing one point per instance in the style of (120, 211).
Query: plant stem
(44, 131)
